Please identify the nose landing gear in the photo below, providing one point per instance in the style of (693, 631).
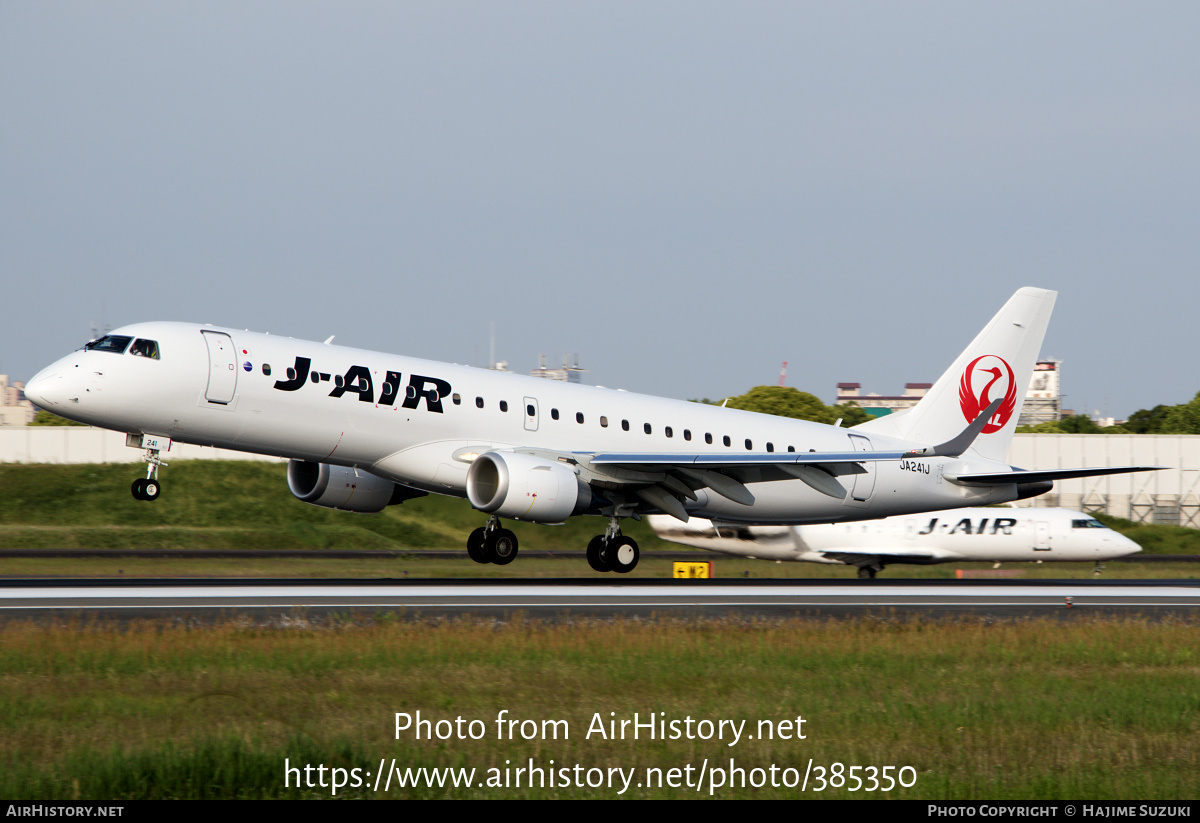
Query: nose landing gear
(148, 487)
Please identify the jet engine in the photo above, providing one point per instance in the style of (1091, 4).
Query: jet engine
(524, 487)
(337, 487)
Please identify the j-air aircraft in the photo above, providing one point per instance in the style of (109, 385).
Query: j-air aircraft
(994, 535)
(363, 430)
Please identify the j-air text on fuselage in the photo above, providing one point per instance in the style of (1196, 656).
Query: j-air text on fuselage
(363, 430)
(993, 535)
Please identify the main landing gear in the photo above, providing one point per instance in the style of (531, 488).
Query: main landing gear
(868, 572)
(611, 551)
(492, 544)
(608, 552)
(148, 487)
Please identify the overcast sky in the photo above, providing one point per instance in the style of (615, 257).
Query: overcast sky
(685, 194)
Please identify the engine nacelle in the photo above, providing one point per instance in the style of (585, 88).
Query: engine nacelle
(337, 487)
(524, 487)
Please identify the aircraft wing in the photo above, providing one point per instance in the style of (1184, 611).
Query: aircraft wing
(727, 474)
(855, 557)
(1021, 476)
(642, 462)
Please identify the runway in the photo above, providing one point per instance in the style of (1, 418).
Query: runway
(601, 596)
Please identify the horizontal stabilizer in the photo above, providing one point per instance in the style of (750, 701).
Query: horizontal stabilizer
(1002, 478)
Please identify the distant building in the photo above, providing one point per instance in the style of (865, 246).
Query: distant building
(1043, 401)
(567, 374)
(877, 405)
(15, 410)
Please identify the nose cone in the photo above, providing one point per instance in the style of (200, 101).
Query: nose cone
(1127, 546)
(1118, 545)
(41, 389)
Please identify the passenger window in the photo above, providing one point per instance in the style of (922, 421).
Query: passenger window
(791, 448)
(578, 417)
(749, 445)
(770, 447)
(687, 434)
(503, 405)
(267, 371)
(144, 348)
(530, 410)
(646, 426)
(668, 431)
(554, 414)
(604, 422)
(115, 343)
(479, 402)
(726, 440)
(624, 425)
(456, 398)
(708, 438)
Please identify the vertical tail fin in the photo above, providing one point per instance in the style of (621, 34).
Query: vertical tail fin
(996, 366)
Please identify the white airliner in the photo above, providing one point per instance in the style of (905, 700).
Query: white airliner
(364, 430)
(993, 535)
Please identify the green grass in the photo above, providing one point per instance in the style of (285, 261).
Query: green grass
(1078, 708)
(1156, 539)
(457, 564)
(245, 506)
(238, 505)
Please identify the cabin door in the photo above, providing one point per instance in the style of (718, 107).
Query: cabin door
(864, 484)
(222, 368)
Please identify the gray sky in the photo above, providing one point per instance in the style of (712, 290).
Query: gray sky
(686, 194)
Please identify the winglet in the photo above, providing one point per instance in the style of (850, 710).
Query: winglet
(957, 445)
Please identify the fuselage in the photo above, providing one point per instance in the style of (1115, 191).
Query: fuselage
(421, 423)
(1000, 534)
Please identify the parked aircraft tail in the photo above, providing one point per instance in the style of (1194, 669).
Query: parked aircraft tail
(996, 366)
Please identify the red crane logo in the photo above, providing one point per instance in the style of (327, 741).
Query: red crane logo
(973, 402)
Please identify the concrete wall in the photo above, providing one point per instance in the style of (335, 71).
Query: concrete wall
(1171, 496)
(76, 444)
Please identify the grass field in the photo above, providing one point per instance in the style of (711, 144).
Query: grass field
(237, 505)
(458, 565)
(1074, 709)
(246, 507)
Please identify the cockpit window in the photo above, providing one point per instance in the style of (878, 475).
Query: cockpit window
(110, 342)
(144, 348)
(1087, 524)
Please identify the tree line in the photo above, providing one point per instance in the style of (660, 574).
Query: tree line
(786, 401)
